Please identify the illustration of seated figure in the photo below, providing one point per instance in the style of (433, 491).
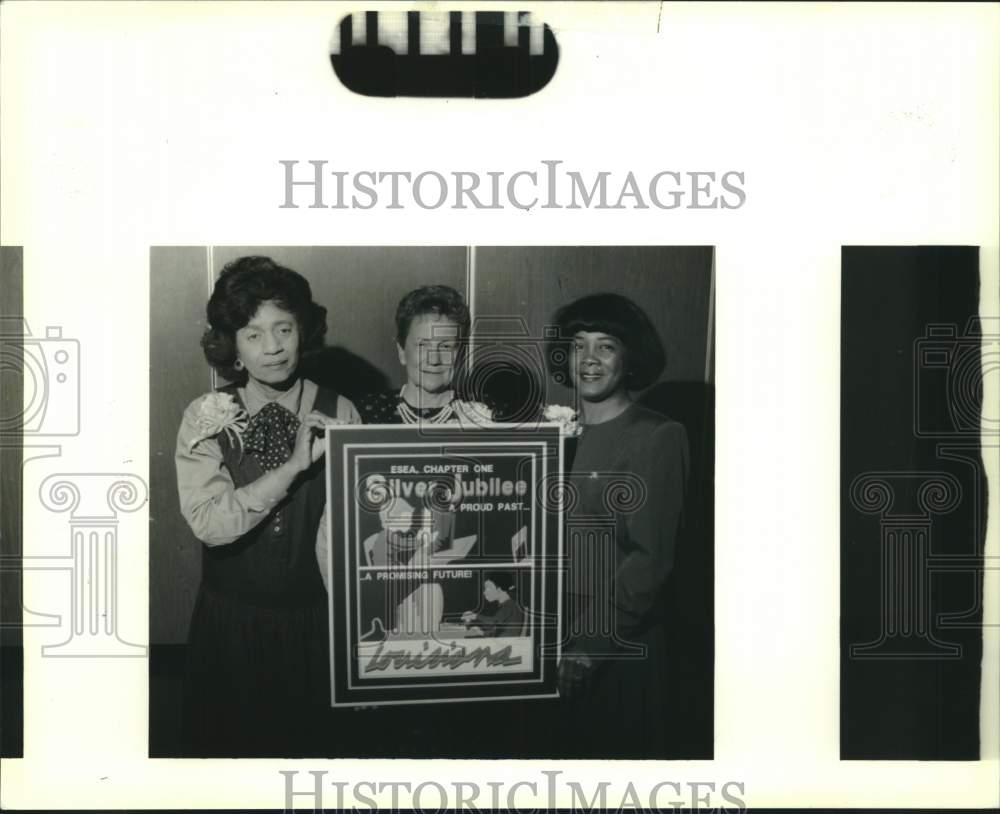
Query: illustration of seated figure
(414, 539)
(406, 538)
(499, 587)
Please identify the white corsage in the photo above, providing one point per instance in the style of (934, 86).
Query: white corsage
(218, 413)
(564, 416)
(473, 412)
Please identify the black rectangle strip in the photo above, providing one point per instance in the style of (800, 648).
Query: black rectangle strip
(413, 33)
(455, 32)
(913, 503)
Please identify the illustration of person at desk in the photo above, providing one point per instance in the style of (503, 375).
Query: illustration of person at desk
(508, 619)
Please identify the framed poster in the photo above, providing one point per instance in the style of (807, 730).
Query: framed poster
(444, 563)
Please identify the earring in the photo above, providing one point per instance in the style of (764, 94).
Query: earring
(238, 365)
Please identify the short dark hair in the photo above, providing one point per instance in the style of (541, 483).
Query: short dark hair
(432, 299)
(616, 316)
(242, 286)
(504, 580)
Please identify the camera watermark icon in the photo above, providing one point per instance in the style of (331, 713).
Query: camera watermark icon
(950, 367)
(516, 373)
(502, 347)
(50, 367)
(504, 357)
(93, 501)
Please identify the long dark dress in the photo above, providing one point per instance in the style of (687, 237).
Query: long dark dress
(630, 476)
(257, 682)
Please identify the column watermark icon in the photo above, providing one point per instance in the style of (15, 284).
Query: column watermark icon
(93, 502)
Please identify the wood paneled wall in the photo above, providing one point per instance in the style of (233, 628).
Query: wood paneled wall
(360, 287)
(178, 374)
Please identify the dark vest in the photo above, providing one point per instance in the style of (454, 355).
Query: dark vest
(274, 564)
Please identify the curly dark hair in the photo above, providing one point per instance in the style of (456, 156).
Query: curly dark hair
(616, 316)
(432, 299)
(242, 286)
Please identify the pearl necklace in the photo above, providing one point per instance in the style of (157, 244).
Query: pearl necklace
(410, 416)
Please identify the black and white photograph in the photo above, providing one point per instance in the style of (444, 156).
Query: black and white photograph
(519, 457)
(535, 405)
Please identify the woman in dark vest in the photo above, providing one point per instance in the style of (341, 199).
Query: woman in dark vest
(252, 489)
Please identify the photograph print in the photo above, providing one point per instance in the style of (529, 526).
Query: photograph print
(432, 502)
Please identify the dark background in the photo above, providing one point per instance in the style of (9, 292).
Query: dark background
(11, 458)
(910, 408)
(512, 291)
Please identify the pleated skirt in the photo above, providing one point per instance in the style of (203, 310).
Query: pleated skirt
(257, 679)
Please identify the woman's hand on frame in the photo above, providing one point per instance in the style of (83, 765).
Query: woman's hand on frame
(310, 441)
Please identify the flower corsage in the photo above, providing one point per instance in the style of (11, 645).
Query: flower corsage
(566, 417)
(219, 413)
